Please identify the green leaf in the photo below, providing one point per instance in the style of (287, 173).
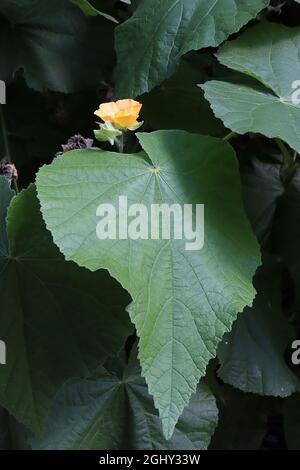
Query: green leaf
(113, 410)
(48, 40)
(6, 195)
(58, 321)
(150, 44)
(252, 356)
(89, 10)
(107, 133)
(183, 301)
(262, 185)
(269, 53)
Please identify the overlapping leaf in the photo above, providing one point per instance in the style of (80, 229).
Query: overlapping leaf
(113, 410)
(58, 321)
(150, 44)
(269, 104)
(262, 185)
(253, 355)
(48, 39)
(183, 301)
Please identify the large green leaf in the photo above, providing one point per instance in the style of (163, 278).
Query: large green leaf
(113, 410)
(253, 355)
(6, 194)
(49, 39)
(269, 53)
(183, 301)
(58, 321)
(150, 44)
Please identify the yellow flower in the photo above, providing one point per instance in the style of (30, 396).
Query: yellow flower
(122, 114)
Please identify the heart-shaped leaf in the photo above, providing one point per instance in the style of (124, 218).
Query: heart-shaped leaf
(183, 301)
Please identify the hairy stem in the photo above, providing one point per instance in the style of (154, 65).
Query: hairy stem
(229, 136)
(120, 143)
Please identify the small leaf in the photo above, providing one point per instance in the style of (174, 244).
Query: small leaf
(107, 133)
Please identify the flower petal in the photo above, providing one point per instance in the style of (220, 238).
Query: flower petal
(107, 111)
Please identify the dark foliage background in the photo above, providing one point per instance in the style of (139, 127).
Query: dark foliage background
(53, 90)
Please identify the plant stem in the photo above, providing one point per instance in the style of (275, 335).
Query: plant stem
(283, 148)
(6, 143)
(229, 136)
(295, 156)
